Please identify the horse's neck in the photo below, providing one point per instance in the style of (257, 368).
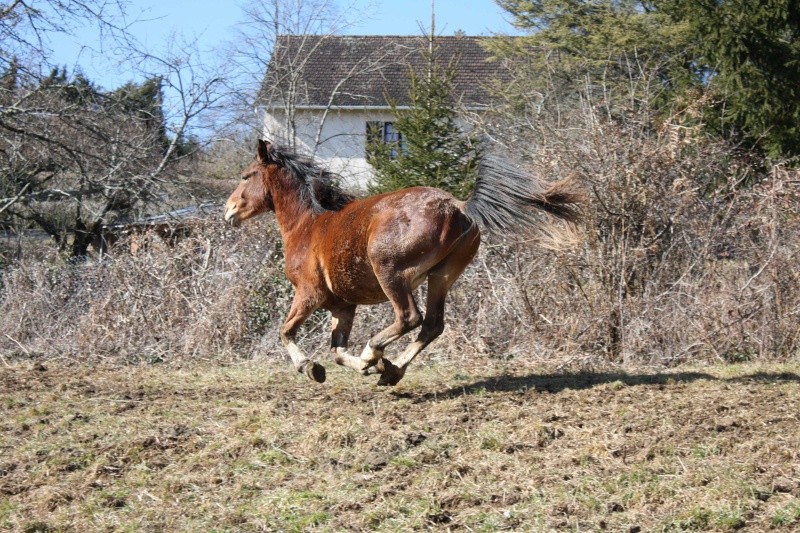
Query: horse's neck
(292, 214)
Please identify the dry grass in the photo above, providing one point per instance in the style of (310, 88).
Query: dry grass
(492, 446)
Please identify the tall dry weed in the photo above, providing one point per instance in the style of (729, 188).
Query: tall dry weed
(690, 248)
(689, 253)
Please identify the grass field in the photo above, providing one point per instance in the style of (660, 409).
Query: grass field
(496, 446)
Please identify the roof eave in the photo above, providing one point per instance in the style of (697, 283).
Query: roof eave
(309, 107)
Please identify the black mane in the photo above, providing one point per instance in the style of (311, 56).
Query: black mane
(318, 187)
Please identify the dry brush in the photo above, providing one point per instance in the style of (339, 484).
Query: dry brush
(689, 252)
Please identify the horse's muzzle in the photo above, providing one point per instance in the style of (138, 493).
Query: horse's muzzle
(230, 217)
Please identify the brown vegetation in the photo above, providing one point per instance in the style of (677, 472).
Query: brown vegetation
(688, 255)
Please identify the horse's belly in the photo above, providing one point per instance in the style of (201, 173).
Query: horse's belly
(360, 286)
(354, 283)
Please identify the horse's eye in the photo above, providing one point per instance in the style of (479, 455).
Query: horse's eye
(244, 178)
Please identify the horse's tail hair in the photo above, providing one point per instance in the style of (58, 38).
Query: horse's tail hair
(506, 201)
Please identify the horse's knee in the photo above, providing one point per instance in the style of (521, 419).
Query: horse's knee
(412, 319)
(287, 336)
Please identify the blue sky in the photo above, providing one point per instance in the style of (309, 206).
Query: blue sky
(213, 22)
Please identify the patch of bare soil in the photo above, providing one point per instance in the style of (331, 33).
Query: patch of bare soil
(492, 447)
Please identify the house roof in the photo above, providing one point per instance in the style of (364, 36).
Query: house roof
(345, 71)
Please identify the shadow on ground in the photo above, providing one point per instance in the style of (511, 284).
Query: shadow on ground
(554, 383)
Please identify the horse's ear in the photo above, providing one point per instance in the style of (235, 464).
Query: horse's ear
(264, 152)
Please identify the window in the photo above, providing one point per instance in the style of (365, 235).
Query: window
(386, 133)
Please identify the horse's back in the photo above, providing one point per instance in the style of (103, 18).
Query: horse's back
(418, 216)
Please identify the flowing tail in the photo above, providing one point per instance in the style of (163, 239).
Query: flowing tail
(507, 201)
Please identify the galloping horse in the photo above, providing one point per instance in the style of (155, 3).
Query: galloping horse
(343, 251)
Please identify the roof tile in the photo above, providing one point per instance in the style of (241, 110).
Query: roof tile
(315, 70)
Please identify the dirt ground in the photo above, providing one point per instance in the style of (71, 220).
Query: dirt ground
(496, 446)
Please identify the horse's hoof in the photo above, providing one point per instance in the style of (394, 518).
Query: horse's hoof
(389, 381)
(315, 371)
(391, 374)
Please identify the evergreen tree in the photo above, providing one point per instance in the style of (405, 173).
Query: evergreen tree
(622, 53)
(145, 101)
(71, 89)
(743, 56)
(749, 53)
(9, 79)
(431, 150)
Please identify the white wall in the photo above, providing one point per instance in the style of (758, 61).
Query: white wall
(342, 141)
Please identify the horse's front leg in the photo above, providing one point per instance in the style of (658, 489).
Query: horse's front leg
(301, 309)
(341, 325)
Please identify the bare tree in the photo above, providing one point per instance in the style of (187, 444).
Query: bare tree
(73, 157)
(278, 39)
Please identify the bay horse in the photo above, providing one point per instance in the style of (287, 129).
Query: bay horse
(342, 251)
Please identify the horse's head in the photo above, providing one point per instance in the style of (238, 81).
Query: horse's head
(253, 196)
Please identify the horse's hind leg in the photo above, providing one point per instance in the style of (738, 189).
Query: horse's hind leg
(440, 279)
(407, 317)
(432, 326)
(301, 309)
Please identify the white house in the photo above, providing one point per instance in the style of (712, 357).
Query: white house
(323, 94)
